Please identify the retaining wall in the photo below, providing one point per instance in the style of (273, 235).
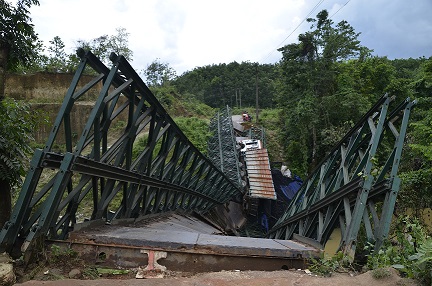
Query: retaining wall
(45, 92)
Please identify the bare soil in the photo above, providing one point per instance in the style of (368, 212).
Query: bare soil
(67, 269)
(282, 277)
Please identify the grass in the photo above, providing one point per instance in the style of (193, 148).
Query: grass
(381, 273)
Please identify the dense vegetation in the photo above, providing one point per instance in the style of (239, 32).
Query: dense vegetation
(307, 101)
(17, 48)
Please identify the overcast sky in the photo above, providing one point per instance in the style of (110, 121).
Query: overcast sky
(192, 33)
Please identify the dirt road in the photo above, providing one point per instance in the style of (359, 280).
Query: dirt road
(239, 278)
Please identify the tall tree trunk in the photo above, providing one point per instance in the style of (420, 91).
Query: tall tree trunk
(314, 160)
(5, 202)
(5, 189)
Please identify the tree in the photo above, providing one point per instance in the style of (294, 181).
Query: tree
(310, 65)
(119, 43)
(416, 165)
(104, 45)
(17, 123)
(17, 46)
(17, 37)
(312, 107)
(230, 84)
(57, 59)
(37, 64)
(158, 74)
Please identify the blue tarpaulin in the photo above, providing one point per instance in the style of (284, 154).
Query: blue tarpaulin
(286, 187)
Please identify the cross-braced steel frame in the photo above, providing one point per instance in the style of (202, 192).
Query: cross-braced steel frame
(258, 134)
(223, 149)
(356, 184)
(102, 175)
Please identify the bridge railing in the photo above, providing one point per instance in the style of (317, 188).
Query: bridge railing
(356, 184)
(130, 160)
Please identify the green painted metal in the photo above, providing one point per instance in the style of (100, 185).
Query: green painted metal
(101, 174)
(345, 189)
(258, 134)
(223, 150)
(104, 175)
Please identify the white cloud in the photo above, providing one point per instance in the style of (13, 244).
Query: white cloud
(191, 33)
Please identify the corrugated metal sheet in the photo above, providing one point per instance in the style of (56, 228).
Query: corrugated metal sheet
(259, 174)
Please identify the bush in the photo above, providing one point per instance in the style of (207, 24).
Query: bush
(409, 251)
(326, 266)
(196, 130)
(16, 126)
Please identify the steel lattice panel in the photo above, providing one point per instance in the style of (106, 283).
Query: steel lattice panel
(222, 147)
(101, 173)
(345, 189)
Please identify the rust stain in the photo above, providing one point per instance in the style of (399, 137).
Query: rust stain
(259, 174)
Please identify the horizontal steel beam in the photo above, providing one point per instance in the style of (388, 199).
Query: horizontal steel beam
(93, 168)
(130, 160)
(345, 187)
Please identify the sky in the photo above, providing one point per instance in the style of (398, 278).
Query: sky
(194, 33)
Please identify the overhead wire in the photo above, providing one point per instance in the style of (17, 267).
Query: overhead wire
(298, 26)
(340, 9)
(292, 32)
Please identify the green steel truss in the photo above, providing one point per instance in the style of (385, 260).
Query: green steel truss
(223, 150)
(258, 134)
(98, 175)
(355, 185)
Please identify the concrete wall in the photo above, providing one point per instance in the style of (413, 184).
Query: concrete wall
(44, 87)
(45, 92)
(79, 115)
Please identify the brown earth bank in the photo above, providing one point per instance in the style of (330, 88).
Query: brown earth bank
(283, 277)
